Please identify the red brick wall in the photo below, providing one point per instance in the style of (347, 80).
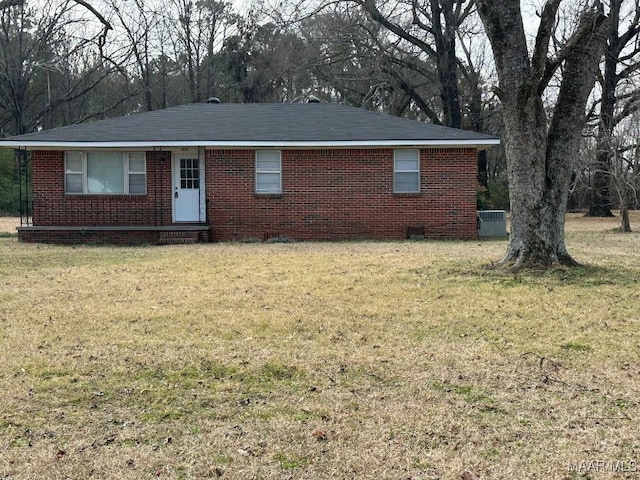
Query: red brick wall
(326, 194)
(342, 194)
(51, 206)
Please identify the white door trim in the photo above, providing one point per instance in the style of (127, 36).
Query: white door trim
(195, 208)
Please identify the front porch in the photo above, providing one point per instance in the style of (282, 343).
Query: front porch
(114, 234)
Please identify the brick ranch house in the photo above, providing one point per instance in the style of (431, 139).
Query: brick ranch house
(219, 172)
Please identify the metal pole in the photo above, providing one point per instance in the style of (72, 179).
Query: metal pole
(17, 157)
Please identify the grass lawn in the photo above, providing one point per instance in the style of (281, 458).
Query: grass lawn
(364, 360)
(8, 226)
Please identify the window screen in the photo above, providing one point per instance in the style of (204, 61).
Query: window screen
(406, 174)
(268, 171)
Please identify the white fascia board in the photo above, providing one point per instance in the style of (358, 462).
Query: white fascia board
(39, 145)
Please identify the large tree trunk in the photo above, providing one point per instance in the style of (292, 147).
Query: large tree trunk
(446, 60)
(540, 154)
(537, 208)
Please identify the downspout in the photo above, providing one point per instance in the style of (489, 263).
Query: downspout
(19, 158)
(159, 200)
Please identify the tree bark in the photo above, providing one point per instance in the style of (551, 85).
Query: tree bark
(540, 153)
(625, 224)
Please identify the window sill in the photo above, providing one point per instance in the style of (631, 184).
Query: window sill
(407, 194)
(268, 195)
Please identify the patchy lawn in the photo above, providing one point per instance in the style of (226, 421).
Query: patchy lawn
(381, 360)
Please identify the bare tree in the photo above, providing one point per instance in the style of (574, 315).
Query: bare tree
(354, 61)
(36, 51)
(622, 171)
(625, 171)
(540, 152)
(136, 22)
(200, 29)
(432, 27)
(617, 101)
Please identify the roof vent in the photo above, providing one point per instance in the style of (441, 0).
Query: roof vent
(213, 100)
(313, 99)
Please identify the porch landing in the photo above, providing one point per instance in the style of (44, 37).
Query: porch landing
(116, 234)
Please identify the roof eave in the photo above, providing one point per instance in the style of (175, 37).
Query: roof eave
(479, 144)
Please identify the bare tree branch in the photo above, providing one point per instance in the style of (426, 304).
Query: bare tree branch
(413, 94)
(372, 10)
(102, 38)
(631, 68)
(588, 24)
(545, 30)
(631, 106)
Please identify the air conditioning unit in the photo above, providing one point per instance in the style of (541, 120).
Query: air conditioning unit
(492, 223)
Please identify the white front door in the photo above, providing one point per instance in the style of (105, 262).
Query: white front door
(186, 188)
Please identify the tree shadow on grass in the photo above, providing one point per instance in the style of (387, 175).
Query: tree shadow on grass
(583, 275)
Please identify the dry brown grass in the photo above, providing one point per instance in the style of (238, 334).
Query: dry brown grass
(381, 360)
(9, 224)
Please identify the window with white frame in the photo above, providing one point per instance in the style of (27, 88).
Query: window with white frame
(268, 171)
(406, 171)
(97, 172)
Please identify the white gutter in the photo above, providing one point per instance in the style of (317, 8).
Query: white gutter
(44, 145)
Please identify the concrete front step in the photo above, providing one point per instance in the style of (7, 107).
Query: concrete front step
(178, 237)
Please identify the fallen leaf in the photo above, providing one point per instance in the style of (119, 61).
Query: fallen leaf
(319, 434)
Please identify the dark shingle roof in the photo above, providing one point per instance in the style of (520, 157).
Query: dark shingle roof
(258, 123)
